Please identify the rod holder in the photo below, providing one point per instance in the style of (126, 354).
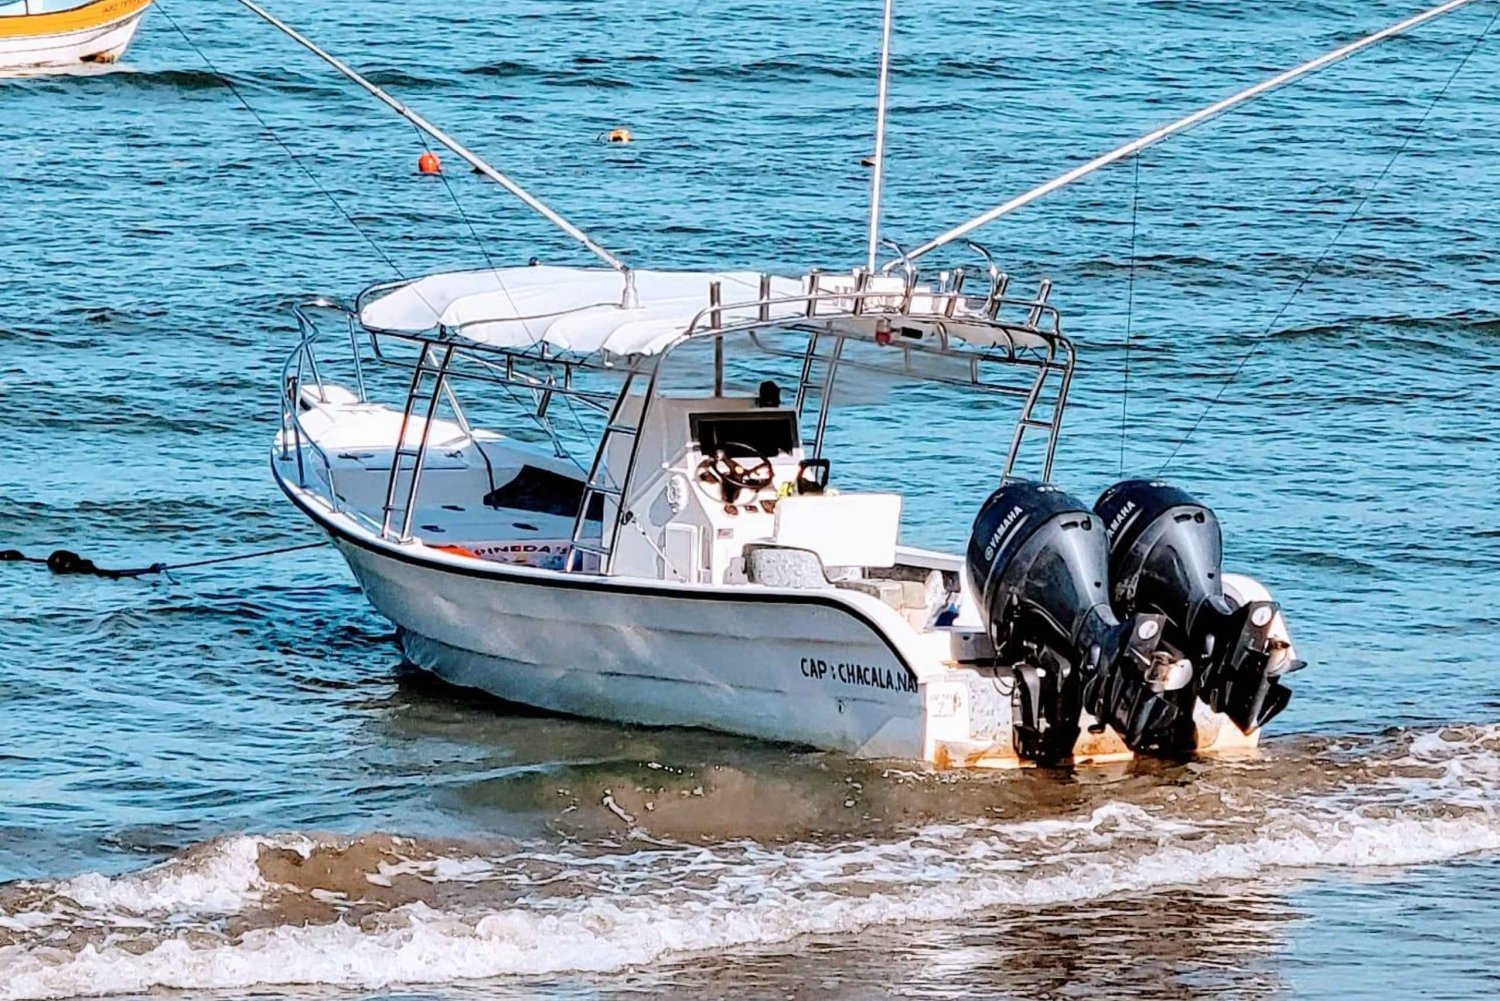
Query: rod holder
(999, 283)
(715, 321)
(1042, 292)
(955, 291)
(628, 298)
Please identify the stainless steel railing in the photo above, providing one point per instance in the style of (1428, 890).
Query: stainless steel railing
(299, 364)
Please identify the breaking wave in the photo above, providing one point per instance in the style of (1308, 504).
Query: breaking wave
(368, 912)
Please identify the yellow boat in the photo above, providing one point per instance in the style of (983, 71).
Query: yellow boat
(37, 34)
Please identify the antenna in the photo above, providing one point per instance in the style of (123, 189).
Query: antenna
(1181, 125)
(880, 109)
(469, 157)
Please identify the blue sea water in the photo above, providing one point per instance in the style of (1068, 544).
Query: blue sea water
(1332, 247)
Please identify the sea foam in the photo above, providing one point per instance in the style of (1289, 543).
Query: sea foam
(247, 911)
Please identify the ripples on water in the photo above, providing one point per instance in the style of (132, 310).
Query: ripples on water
(155, 243)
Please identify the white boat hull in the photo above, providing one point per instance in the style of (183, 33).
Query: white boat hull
(103, 42)
(775, 666)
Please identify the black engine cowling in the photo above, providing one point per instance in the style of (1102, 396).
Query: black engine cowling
(1165, 556)
(1039, 562)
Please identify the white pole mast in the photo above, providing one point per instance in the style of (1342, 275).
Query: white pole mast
(1182, 125)
(877, 182)
(442, 137)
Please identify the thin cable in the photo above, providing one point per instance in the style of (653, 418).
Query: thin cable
(1135, 207)
(578, 421)
(243, 556)
(1181, 125)
(533, 202)
(291, 155)
(542, 422)
(63, 561)
(483, 249)
(443, 176)
(1255, 347)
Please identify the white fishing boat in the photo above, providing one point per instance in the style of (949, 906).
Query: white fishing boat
(49, 34)
(705, 569)
(709, 564)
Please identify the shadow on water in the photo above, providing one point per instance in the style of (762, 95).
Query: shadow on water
(498, 768)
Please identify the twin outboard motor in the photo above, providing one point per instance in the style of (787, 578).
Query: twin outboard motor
(1039, 561)
(1165, 551)
(1120, 612)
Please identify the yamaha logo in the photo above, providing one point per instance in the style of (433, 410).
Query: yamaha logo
(1006, 524)
(1121, 517)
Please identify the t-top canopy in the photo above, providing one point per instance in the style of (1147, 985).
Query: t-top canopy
(571, 309)
(582, 310)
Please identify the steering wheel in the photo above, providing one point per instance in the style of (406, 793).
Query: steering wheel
(733, 474)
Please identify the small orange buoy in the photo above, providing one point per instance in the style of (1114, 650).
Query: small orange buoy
(619, 136)
(428, 163)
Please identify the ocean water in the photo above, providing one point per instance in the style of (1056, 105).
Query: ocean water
(224, 785)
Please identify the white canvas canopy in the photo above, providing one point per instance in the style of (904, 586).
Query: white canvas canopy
(570, 309)
(580, 310)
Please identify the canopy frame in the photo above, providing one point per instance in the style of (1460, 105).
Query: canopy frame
(832, 312)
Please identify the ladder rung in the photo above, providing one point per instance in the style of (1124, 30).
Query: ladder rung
(621, 429)
(591, 547)
(1032, 423)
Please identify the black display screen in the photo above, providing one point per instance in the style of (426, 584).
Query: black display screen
(744, 433)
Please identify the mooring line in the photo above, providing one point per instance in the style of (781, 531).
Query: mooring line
(65, 561)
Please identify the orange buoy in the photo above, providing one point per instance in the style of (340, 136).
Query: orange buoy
(619, 136)
(428, 163)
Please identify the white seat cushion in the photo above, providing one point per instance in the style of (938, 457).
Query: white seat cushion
(845, 530)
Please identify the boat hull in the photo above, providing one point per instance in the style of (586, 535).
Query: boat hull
(95, 33)
(773, 666)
